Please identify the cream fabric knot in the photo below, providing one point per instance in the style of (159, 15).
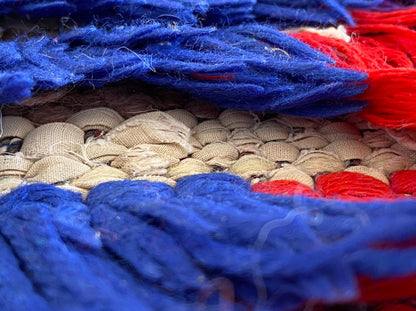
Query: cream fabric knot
(56, 138)
(318, 162)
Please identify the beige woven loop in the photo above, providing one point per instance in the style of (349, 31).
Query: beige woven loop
(156, 178)
(196, 145)
(245, 140)
(56, 169)
(217, 154)
(349, 149)
(290, 172)
(7, 184)
(96, 119)
(202, 109)
(188, 167)
(375, 173)
(170, 152)
(14, 165)
(103, 151)
(155, 144)
(210, 131)
(252, 165)
(309, 139)
(377, 139)
(233, 119)
(53, 138)
(317, 161)
(387, 161)
(184, 116)
(297, 122)
(151, 128)
(404, 137)
(136, 162)
(271, 130)
(279, 151)
(340, 131)
(15, 127)
(98, 175)
(411, 154)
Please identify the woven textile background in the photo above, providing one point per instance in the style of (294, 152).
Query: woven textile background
(207, 155)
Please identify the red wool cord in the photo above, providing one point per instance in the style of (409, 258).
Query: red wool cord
(284, 187)
(372, 291)
(352, 186)
(404, 182)
(405, 17)
(392, 97)
(356, 186)
(389, 37)
(343, 186)
(387, 53)
(385, 49)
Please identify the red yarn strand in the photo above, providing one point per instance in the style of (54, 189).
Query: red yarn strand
(387, 289)
(284, 187)
(388, 54)
(405, 17)
(404, 182)
(352, 186)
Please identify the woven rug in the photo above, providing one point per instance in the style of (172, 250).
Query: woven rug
(207, 155)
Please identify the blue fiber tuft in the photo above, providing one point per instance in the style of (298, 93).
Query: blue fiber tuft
(218, 50)
(144, 245)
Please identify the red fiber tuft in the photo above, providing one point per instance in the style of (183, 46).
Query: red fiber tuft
(405, 17)
(404, 182)
(387, 289)
(392, 97)
(388, 37)
(284, 187)
(352, 186)
(346, 54)
(387, 53)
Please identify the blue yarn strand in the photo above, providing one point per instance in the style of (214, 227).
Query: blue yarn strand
(300, 79)
(138, 243)
(208, 12)
(249, 66)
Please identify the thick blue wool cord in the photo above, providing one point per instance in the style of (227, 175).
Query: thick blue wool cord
(248, 66)
(147, 246)
(49, 253)
(16, 291)
(209, 12)
(252, 67)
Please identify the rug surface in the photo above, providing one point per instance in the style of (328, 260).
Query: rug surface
(207, 155)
